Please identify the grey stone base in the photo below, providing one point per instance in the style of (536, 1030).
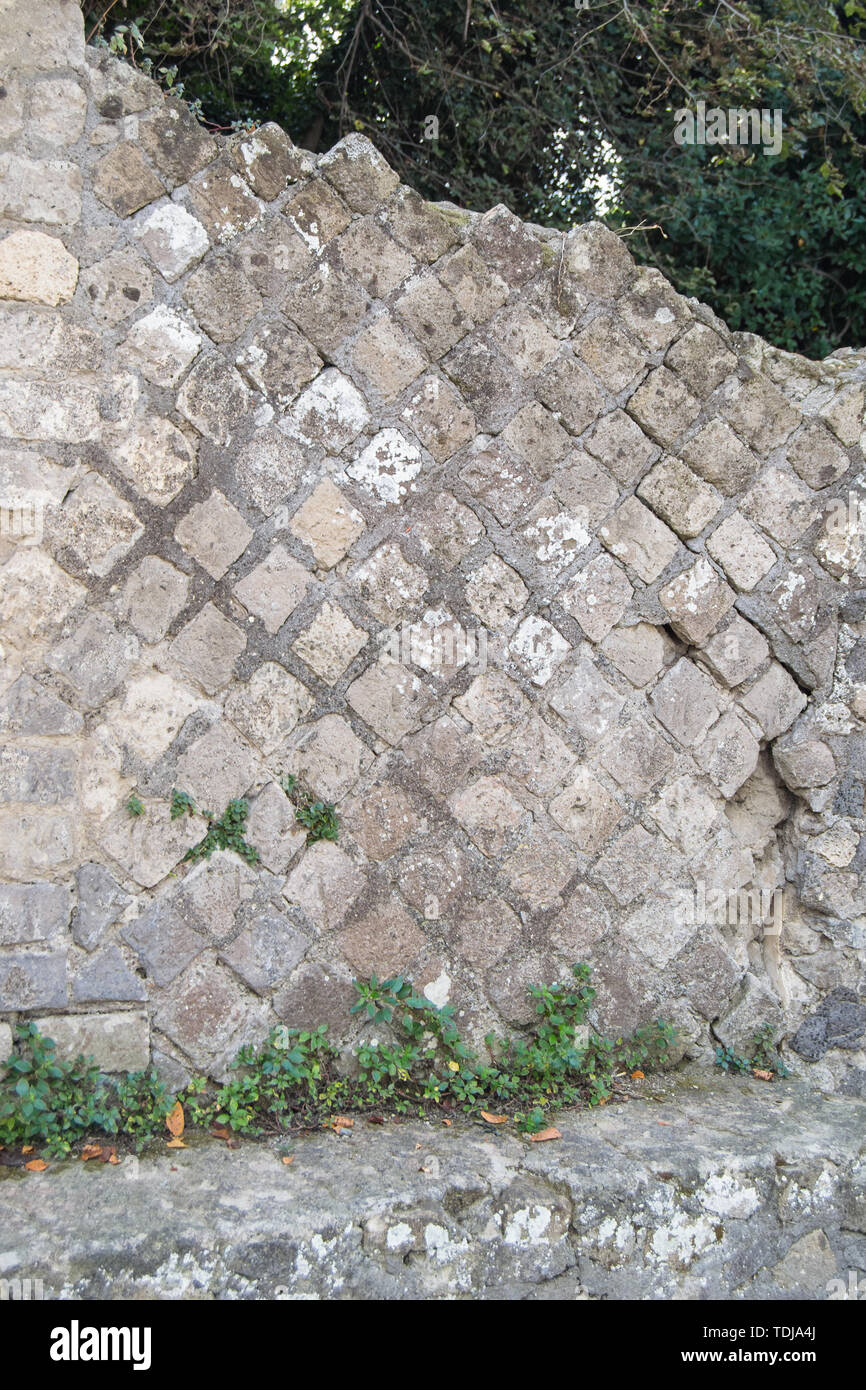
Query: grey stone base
(722, 1189)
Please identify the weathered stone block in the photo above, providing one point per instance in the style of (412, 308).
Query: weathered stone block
(587, 702)
(496, 592)
(324, 884)
(637, 537)
(274, 588)
(809, 763)
(124, 181)
(729, 754)
(30, 981)
(157, 459)
(162, 345)
(610, 354)
(331, 643)
(389, 584)
(741, 551)
(701, 359)
(598, 596)
(686, 702)
(116, 1041)
(33, 912)
(387, 357)
(639, 651)
(622, 446)
(207, 649)
(222, 299)
(213, 398)
(775, 700)
(36, 268)
(735, 650)
(816, 456)
(224, 203)
(106, 978)
(539, 648)
(173, 239)
(663, 406)
(697, 600)
(100, 902)
(177, 145)
(94, 660)
(438, 416)
(268, 706)
(391, 700)
(358, 172)
(679, 497)
(327, 756)
(153, 596)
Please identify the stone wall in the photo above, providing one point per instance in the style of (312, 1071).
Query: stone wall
(539, 573)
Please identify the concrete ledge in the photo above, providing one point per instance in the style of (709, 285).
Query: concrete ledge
(722, 1189)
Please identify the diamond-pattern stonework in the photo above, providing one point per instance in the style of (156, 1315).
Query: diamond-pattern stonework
(548, 581)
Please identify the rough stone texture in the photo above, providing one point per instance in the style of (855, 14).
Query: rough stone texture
(754, 1193)
(322, 480)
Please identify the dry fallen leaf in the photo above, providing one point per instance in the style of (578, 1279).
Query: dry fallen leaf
(91, 1151)
(27, 1148)
(665, 1122)
(287, 1159)
(638, 1075)
(36, 1165)
(449, 1123)
(174, 1121)
(176, 1143)
(220, 1132)
(494, 1119)
(761, 1074)
(544, 1134)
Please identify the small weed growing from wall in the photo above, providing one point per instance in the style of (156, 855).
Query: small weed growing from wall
(319, 818)
(764, 1061)
(423, 1067)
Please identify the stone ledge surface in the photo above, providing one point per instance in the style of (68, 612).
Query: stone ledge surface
(701, 1188)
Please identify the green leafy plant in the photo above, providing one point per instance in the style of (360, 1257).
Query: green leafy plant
(319, 818)
(765, 1056)
(49, 1101)
(419, 1065)
(135, 807)
(182, 804)
(227, 832)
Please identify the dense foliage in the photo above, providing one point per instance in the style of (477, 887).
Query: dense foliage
(562, 108)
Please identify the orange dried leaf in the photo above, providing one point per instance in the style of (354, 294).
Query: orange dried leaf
(176, 1143)
(36, 1165)
(91, 1151)
(544, 1134)
(27, 1148)
(494, 1119)
(174, 1120)
(761, 1074)
(287, 1159)
(449, 1123)
(665, 1122)
(638, 1075)
(220, 1132)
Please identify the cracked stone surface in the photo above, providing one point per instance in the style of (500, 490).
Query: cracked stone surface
(326, 485)
(755, 1193)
